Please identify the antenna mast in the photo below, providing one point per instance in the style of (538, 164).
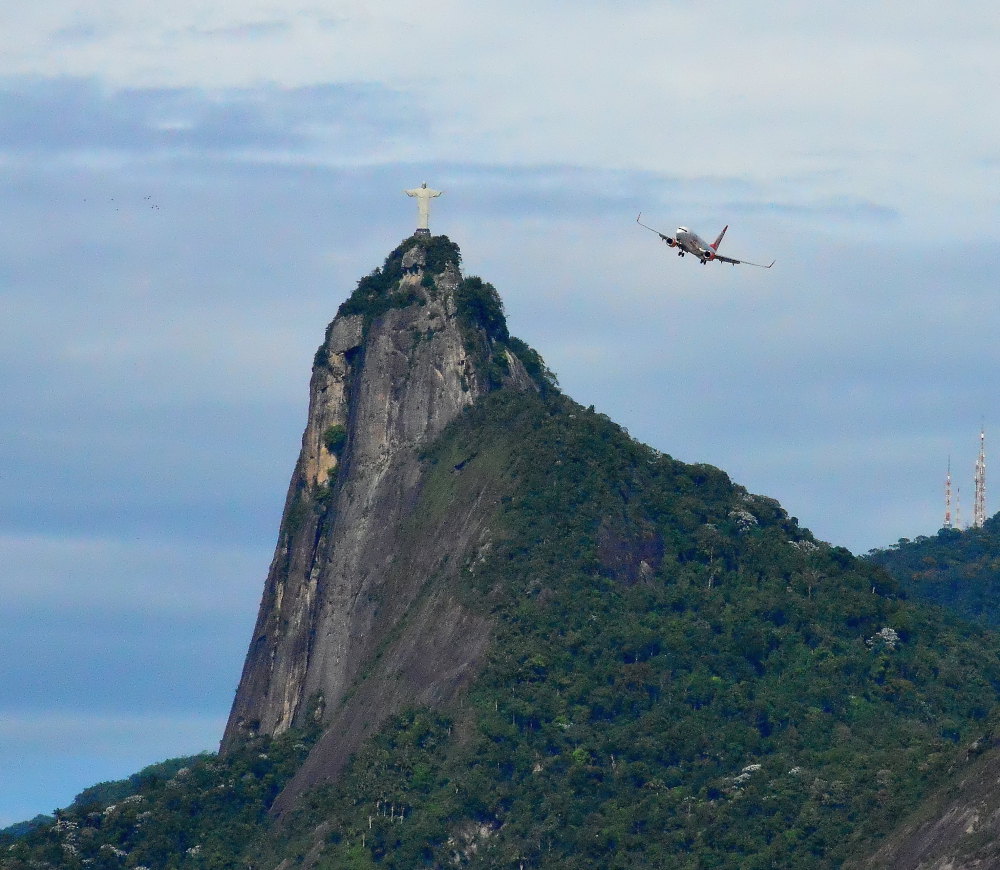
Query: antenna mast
(958, 509)
(979, 511)
(947, 497)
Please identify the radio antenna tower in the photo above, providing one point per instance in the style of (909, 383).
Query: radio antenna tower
(958, 509)
(947, 497)
(979, 510)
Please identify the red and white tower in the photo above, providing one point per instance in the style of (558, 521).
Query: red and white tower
(947, 497)
(979, 509)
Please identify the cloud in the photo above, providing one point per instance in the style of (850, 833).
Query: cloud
(622, 86)
(841, 208)
(73, 116)
(113, 626)
(79, 32)
(245, 30)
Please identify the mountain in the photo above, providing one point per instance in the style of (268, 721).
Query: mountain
(498, 632)
(959, 570)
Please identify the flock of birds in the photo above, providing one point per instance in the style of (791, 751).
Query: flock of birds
(148, 200)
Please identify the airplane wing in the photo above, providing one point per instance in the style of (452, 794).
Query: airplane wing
(742, 262)
(667, 239)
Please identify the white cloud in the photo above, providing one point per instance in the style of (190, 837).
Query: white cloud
(738, 90)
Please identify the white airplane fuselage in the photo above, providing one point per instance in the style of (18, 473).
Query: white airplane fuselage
(688, 242)
(692, 243)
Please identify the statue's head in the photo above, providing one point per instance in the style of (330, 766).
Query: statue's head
(424, 184)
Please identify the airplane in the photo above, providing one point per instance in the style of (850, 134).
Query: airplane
(691, 243)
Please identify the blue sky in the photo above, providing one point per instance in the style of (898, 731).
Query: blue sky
(187, 194)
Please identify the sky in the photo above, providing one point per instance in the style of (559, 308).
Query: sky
(188, 191)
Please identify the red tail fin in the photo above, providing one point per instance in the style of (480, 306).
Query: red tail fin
(718, 241)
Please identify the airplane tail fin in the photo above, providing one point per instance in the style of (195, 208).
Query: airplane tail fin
(718, 241)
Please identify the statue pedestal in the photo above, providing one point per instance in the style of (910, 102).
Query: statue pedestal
(421, 231)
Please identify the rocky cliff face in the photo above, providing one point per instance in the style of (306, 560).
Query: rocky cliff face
(356, 617)
(956, 828)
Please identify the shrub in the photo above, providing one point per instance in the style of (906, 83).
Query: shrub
(334, 439)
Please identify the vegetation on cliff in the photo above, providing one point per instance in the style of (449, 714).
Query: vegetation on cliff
(959, 570)
(379, 291)
(478, 306)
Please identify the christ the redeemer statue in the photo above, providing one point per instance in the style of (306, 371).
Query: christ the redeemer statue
(424, 195)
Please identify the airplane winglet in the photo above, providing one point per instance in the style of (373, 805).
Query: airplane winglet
(641, 224)
(747, 263)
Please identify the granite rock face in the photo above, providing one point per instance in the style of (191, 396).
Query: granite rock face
(958, 827)
(355, 622)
